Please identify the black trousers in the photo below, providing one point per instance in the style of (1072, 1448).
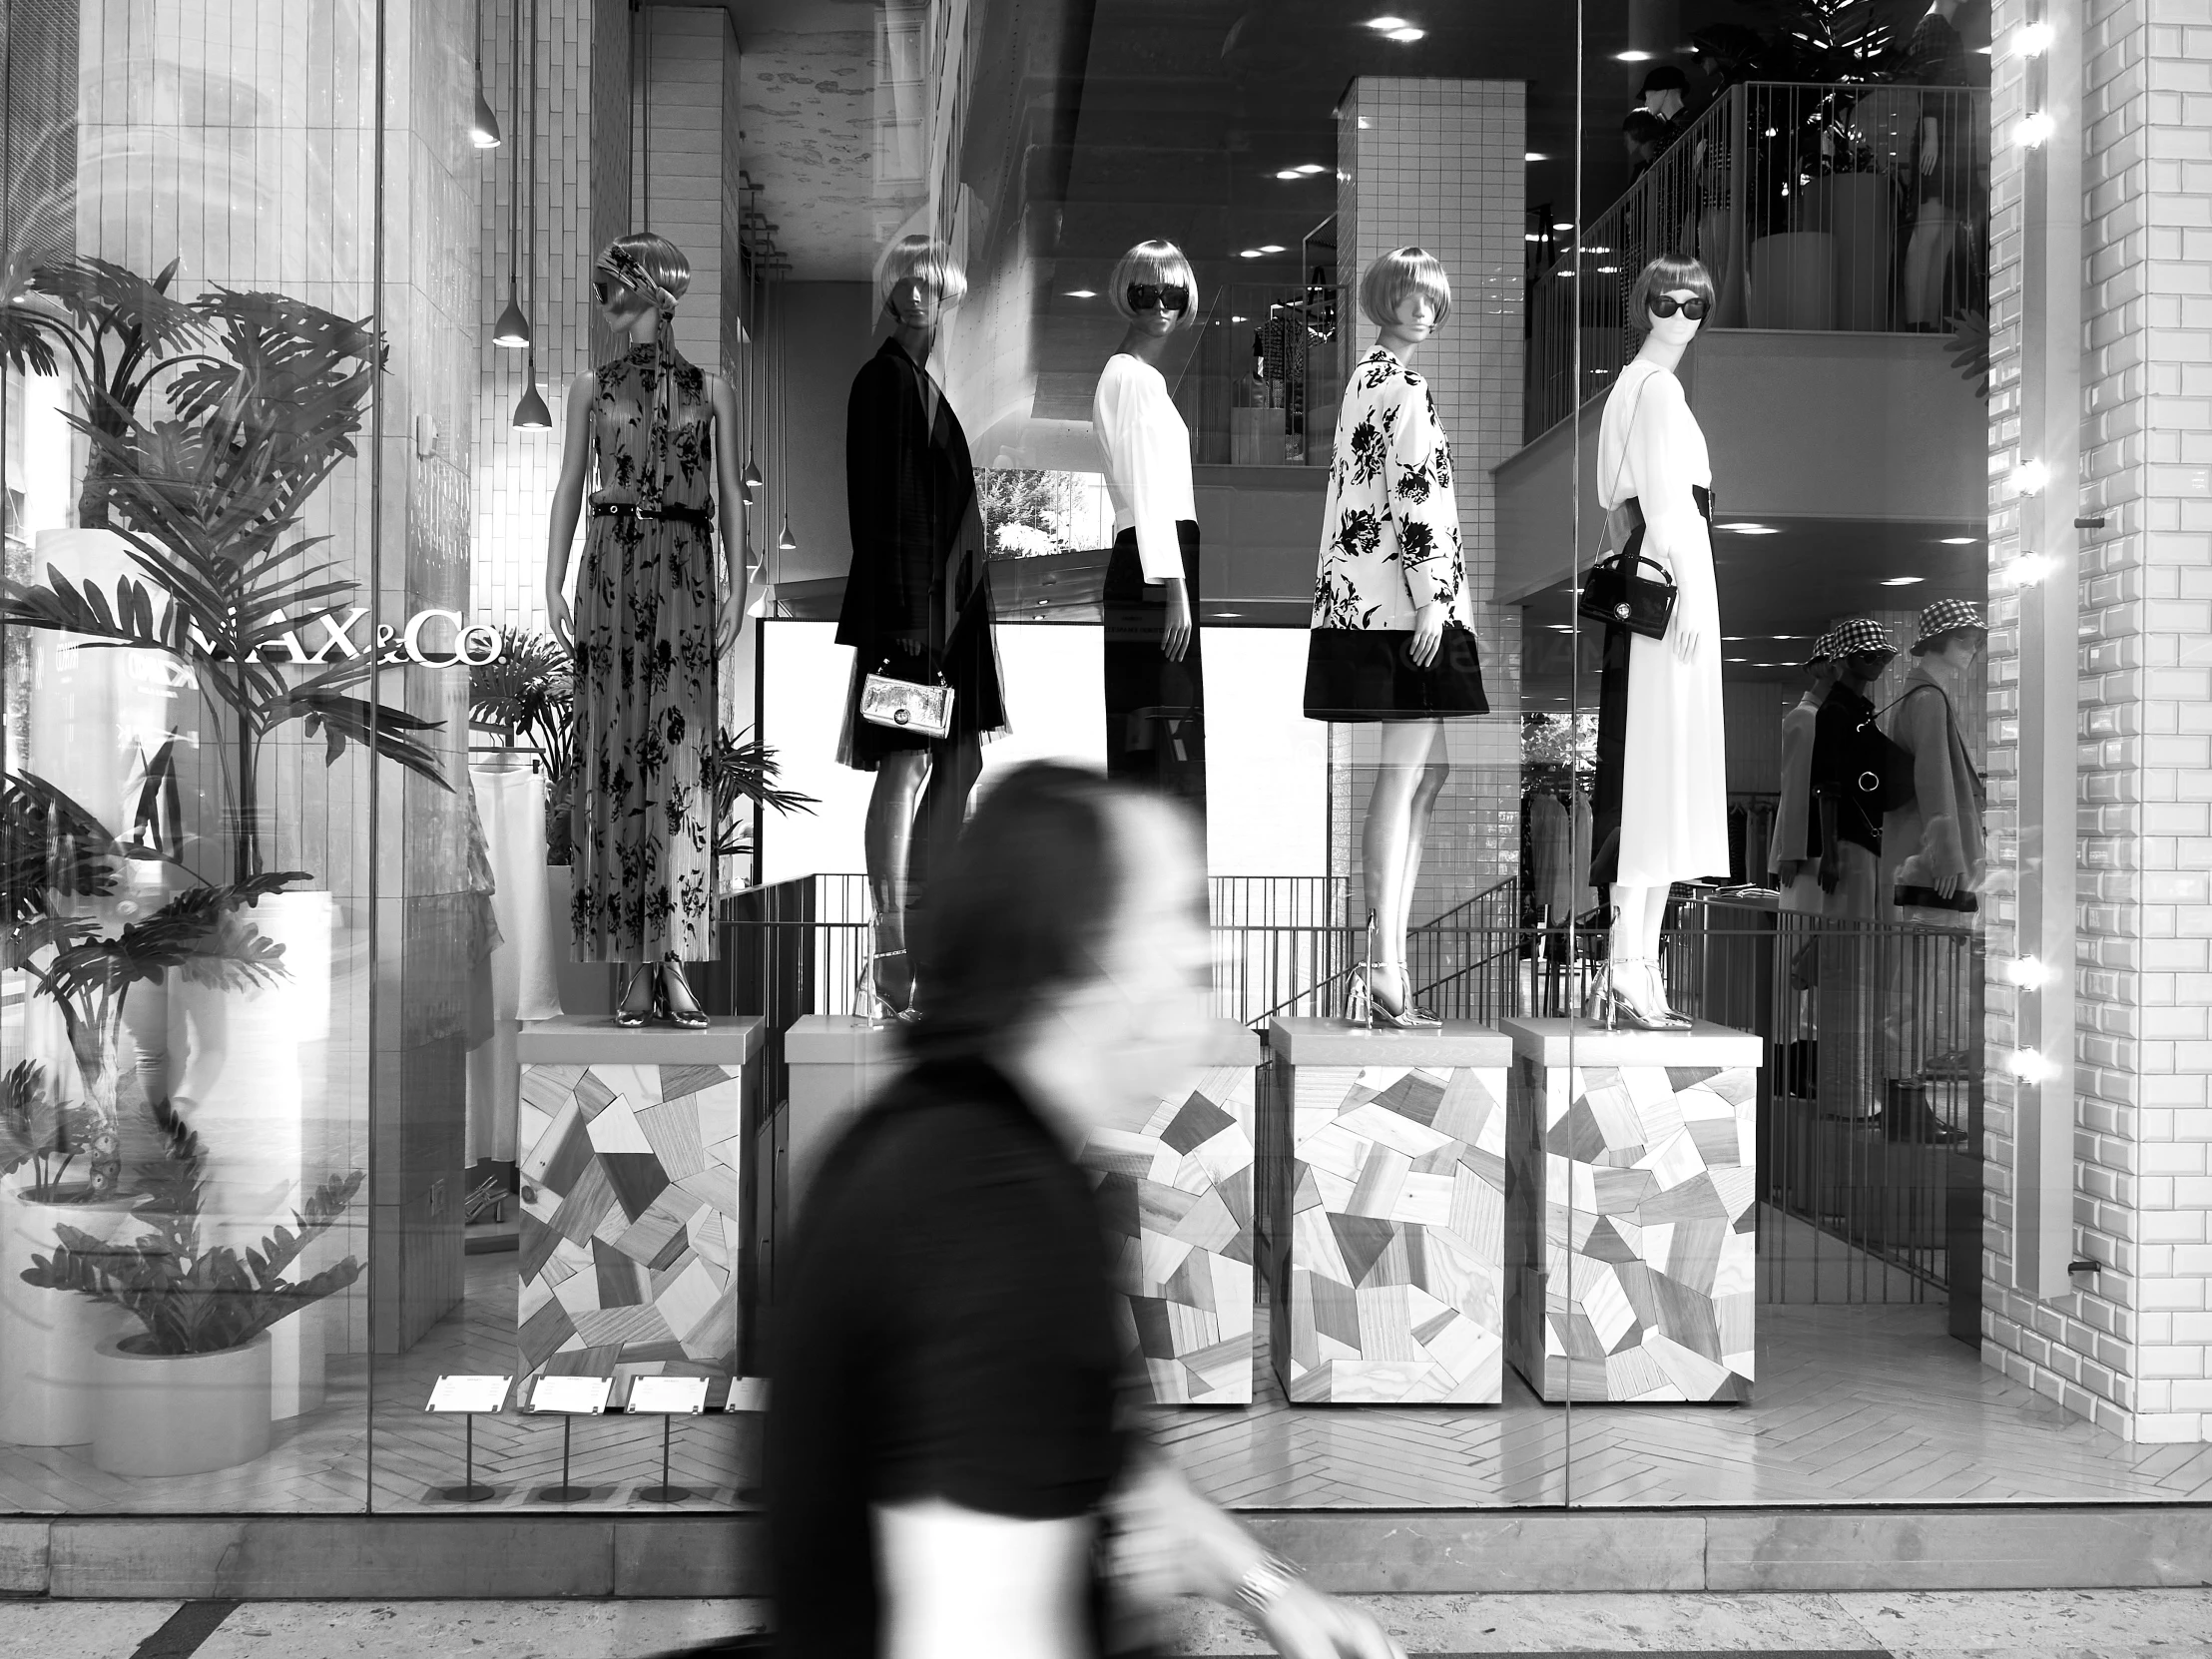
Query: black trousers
(1154, 709)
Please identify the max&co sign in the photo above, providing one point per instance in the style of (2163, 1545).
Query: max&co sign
(429, 639)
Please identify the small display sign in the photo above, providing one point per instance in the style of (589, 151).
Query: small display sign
(472, 1395)
(575, 1396)
(668, 1396)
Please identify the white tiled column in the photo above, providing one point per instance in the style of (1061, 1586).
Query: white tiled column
(2131, 1344)
(1439, 164)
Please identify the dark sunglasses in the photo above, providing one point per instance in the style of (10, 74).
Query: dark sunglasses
(1174, 297)
(1666, 305)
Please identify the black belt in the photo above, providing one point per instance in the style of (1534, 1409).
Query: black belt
(703, 517)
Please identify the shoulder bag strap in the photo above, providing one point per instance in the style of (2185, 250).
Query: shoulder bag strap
(1634, 409)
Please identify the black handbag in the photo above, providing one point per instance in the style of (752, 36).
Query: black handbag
(1614, 590)
(1880, 768)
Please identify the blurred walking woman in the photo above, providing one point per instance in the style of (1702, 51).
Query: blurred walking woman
(942, 1448)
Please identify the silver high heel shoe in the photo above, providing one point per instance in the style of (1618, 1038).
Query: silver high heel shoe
(1363, 1007)
(1611, 1007)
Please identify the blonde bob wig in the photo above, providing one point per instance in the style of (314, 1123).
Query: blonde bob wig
(926, 258)
(1398, 273)
(1154, 261)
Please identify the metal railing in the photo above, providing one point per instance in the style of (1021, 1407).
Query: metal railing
(1858, 208)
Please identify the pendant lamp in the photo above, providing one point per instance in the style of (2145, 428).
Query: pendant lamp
(531, 414)
(483, 126)
(785, 543)
(752, 479)
(513, 328)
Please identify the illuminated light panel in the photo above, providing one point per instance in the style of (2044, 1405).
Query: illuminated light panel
(1271, 247)
(1752, 529)
(1388, 24)
(1539, 155)
(1899, 581)
(1406, 37)
(1632, 56)
(1082, 293)
(1961, 541)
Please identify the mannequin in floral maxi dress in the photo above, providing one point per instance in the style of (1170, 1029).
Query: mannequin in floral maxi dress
(1661, 808)
(655, 610)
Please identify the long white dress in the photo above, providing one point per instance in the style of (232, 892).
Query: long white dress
(1674, 775)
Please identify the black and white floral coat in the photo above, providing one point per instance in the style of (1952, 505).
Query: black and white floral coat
(1391, 530)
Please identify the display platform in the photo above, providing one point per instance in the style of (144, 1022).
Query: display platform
(1178, 1196)
(1631, 1180)
(1386, 1162)
(632, 1174)
(836, 1061)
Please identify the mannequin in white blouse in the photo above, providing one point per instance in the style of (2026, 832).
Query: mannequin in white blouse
(1154, 658)
(1673, 816)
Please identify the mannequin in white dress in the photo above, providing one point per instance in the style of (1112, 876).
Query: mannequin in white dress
(1662, 807)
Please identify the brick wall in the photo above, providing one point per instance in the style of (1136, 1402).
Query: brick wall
(2130, 1346)
(1439, 163)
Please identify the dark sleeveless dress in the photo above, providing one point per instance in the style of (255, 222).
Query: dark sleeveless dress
(645, 674)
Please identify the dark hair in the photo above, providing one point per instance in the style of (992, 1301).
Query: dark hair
(1666, 78)
(1018, 908)
(1643, 126)
(1665, 274)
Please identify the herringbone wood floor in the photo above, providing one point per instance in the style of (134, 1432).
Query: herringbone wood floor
(1855, 1405)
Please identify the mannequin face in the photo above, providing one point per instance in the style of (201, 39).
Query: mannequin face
(913, 302)
(620, 309)
(1958, 650)
(1155, 321)
(1665, 105)
(1676, 331)
(1862, 667)
(1414, 319)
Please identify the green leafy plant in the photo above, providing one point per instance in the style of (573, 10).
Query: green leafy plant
(1969, 348)
(739, 771)
(192, 1298)
(56, 858)
(208, 502)
(47, 1134)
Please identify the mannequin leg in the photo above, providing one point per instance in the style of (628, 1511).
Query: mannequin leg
(1397, 926)
(1633, 970)
(889, 840)
(954, 769)
(1655, 915)
(1386, 845)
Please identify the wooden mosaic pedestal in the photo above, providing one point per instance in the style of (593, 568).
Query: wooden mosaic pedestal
(1631, 1211)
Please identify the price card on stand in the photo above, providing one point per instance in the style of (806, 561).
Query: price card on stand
(474, 1396)
(575, 1396)
(668, 1396)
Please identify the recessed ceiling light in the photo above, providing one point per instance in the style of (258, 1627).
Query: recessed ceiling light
(1406, 37)
(1289, 172)
(1608, 270)
(1229, 613)
(1752, 529)
(1563, 225)
(1901, 581)
(1632, 56)
(1961, 541)
(1082, 293)
(1386, 24)
(1248, 254)
(1271, 247)
(1534, 156)
(1308, 167)
(1532, 235)
(1734, 639)
(1739, 658)
(1240, 319)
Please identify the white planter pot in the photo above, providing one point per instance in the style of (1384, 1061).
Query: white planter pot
(48, 1338)
(182, 1413)
(249, 1074)
(1793, 281)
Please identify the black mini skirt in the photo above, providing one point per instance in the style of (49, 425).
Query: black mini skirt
(1362, 675)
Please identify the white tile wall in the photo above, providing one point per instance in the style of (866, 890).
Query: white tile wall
(2135, 1351)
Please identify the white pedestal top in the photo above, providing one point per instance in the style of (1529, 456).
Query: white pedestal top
(843, 1040)
(595, 1039)
(1560, 1042)
(1331, 1043)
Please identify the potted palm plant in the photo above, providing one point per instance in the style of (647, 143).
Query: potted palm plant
(82, 951)
(189, 1389)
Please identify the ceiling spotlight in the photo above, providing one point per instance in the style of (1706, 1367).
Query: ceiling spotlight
(1289, 172)
(1532, 235)
(1250, 254)
(1539, 155)
(1560, 224)
(1308, 169)
(1739, 658)
(2026, 570)
(1960, 541)
(1387, 25)
(2034, 129)
(2030, 1066)
(2034, 40)
(1240, 319)
(1899, 581)
(1271, 247)
(1406, 37)
(2027, 972)
(1082, 293)
(1632, 56)
(1750, 529)
(2029, 477)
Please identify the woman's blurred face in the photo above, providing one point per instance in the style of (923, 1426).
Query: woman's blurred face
(1145, 1014)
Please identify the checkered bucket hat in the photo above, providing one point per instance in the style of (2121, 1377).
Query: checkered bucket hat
(1823, 648)
(1860, 634)
(1947, 616)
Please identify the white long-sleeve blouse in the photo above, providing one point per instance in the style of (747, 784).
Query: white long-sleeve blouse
(1650, 447)
(1148, 461)
(1391, 527)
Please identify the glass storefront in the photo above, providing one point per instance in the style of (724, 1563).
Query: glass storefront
(1707, 875)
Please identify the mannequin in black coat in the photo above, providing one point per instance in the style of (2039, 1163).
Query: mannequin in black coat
(916, 601)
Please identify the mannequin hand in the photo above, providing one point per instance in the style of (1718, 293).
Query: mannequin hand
(1787, 870)
(1930, 153)
(1305, 1624)
(729, 619)
(1428, 633)
(1175, 636)
(1686, 642)
(1946, 887)
(560, 621)
(1832, 875)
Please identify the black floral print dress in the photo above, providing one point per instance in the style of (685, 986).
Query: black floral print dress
(644, 668)
(1389, 544)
